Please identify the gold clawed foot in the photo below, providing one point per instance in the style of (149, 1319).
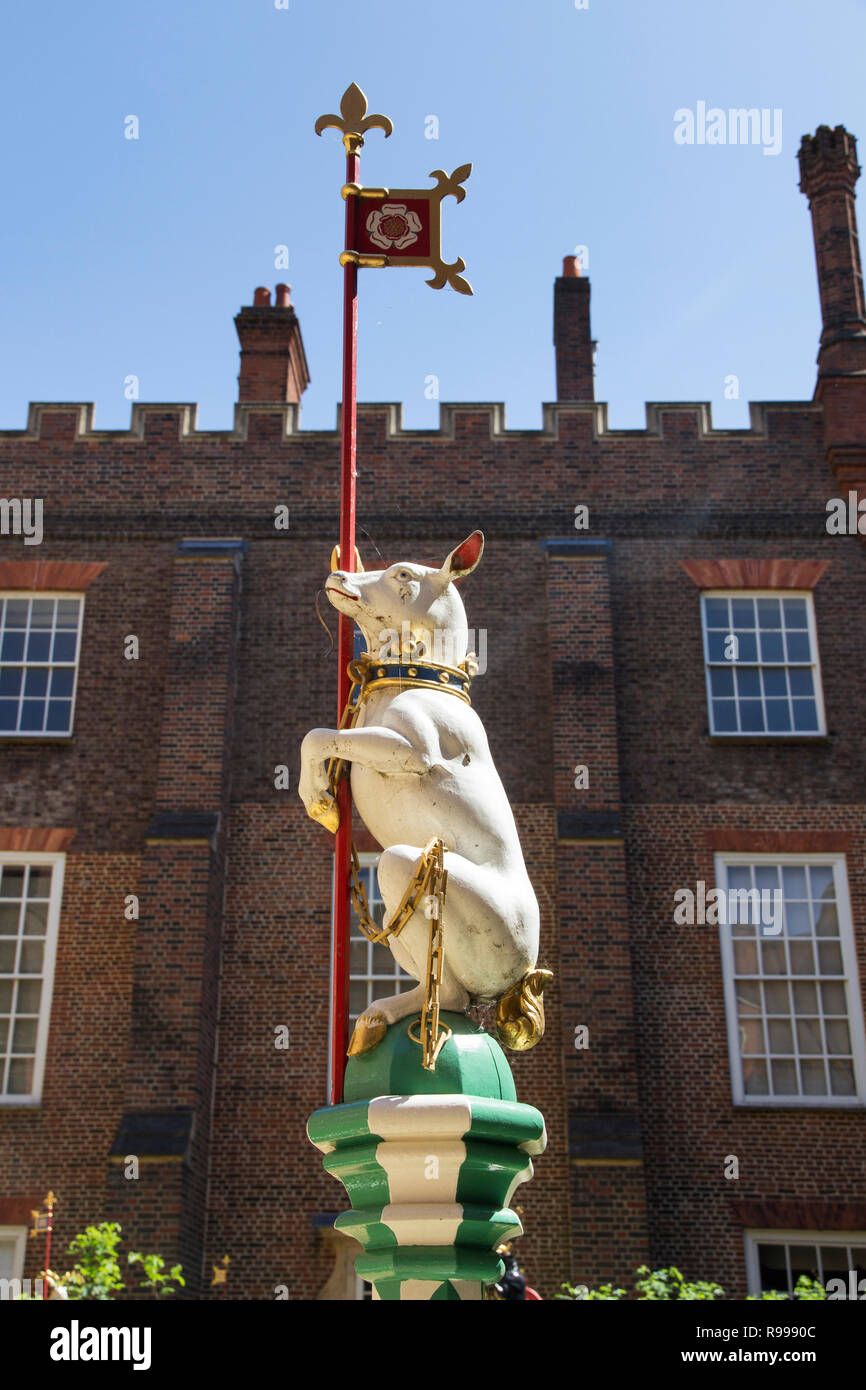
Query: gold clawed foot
(369, 1031)
(326, 812)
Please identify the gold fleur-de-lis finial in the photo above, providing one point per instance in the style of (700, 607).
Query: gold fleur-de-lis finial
(353, 120)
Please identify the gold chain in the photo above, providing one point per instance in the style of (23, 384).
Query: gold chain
(429, 880)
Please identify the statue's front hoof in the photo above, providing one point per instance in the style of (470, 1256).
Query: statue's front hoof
(369, 1031)
(326, 812)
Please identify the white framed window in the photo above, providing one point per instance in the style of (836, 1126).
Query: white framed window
(761, 659)
(30, 891)
(373, 971)
(40, 641)
(13, 1243)
(776, 1259)
(792, 995)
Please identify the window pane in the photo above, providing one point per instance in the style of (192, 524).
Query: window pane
(829, 958)
(755, 1078)
(42, 613)
(16, 612)
(745, 958)
(743, 612)
(5, 996)
(748, 996)
(32, 716)
(716, 642)
(781, 1036)
(10, 681)
(838, 1037)
(724, 717)
(748, 646)
(795, 612)
(68, 610)
(357, 996)
(7, 957)
(64, 646)
(38, 646)
(798, 919)
(804, 1260)
(31, 957)
(776, 998)
(775, 682)
(826, 919)
(721, 681)
(794, 881)
(716, 610)
(813, 1078)
(10, 918)
(62, 680)
(24, 1035)
(752, 1036)
(748, 682)
(59, 716)
(11, 881)
(801, 680)
(797, 644)
(751, 716)
(20, 1077)
(13, 646)
(39, 883)
(773, 958)
(774, 1268)
(809, 1035)
(805, 997)
(833, 999)
(771, 647)
(36, 681)
(805, 716)
(29, 996)
(769, 612)
(842, 1078)
(778, 716)
(35, 919)
(802, 959)
(784, 1079)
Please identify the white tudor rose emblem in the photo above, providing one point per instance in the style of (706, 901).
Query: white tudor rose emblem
(392, 225)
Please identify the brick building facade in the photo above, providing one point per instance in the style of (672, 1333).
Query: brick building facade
(706, 1043)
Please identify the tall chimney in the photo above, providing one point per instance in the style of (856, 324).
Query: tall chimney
(828, 174)
(572, 335)
(273, 361)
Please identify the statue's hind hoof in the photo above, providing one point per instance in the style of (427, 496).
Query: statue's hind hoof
(369, 1031)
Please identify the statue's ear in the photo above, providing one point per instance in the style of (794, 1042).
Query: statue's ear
(464, 559)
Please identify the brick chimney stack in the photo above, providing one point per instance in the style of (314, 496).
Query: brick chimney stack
(273, 361)
(572, 335)
(828, 174)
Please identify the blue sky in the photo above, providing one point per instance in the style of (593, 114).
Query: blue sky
(125, 257)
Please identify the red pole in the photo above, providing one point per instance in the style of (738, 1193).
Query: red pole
(345, 651)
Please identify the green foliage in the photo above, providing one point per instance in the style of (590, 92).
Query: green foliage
(96, 1272)
(153, 1266)
(804, 1289)
(667, 1285)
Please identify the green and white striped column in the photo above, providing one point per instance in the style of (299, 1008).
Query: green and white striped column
(430, 1162)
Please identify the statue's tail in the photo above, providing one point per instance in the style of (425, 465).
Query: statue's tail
(520, 1012)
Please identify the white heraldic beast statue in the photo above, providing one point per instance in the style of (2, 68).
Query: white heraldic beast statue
(421, 771)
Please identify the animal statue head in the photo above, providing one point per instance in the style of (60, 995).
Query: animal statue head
(410, 611)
